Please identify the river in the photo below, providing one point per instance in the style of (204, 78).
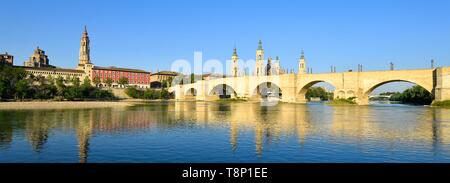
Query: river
(184, 132)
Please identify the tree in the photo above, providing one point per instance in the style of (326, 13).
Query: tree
(123, 81)
(108, 82)
(318, 92)
(133, 92)
(15, 85)
(60, 86)
(9, 77)
(72, 93)
(22, 89)
(169, 81)
(416, 95)
(96, 81)
(86, 82)
(75, 81)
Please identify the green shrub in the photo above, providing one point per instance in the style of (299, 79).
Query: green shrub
(445, 103)
(349, 101)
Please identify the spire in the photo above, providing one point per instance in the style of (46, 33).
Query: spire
(260, 45)
(84, 48)
(303, 54)
(277, 58)
(85, 32)
(234, 52)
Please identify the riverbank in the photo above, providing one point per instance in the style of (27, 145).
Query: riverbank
(341, 102)
(63, 105)
(445, 104)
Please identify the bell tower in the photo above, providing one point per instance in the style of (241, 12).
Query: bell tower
(234, 63)
(84, 61)
(84, 48)
(259, 66)
(302, 64)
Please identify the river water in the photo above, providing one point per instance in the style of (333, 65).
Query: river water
(227, 132)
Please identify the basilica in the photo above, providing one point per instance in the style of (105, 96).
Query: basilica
(262, 69)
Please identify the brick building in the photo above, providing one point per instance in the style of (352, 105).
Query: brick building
(138, 78)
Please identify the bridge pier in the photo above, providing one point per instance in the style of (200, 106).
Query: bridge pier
(442, 84)
(179, 93)
(289, 95)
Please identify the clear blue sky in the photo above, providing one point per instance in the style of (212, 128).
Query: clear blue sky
(149, 34)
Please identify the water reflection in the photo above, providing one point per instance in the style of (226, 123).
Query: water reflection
(372, 129)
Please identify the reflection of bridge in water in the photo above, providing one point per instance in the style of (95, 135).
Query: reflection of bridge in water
(293, 87)
(267, 124)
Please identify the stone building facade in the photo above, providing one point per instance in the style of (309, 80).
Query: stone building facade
(158, 78)
(55, 72)
(39, 65)
(38, 59)
(6, 59)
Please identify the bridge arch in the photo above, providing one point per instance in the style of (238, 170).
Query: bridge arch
(371, 88)
(222, 91)
(365, 95)
(303, 89)
(266, 88)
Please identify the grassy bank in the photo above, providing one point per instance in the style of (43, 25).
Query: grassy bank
(342, 102)
(445, 103)
(230, 100)
(61, 105)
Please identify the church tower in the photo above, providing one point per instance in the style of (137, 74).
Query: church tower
(234, 63)
(259, 66)
(84, 49)
(302, 64)
(276, 66)
(84, 62)
(269, 67)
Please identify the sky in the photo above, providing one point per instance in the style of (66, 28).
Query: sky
(151, 35)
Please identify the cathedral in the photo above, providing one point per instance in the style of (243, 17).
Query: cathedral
(271, 68)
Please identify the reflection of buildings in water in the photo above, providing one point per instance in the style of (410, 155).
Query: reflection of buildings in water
(350, 121)
(6, 130)
(84, 132)
(38, 124)
(440, 128)
(37, 131)
(419, 125)
(268, 123)
(302, 123)
(6, 135)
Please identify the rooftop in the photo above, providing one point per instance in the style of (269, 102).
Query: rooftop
(172, 73)
(111, 68)
(5, 54)
(51, 69)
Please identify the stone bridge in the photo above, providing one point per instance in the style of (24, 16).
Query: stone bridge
(293, 87)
